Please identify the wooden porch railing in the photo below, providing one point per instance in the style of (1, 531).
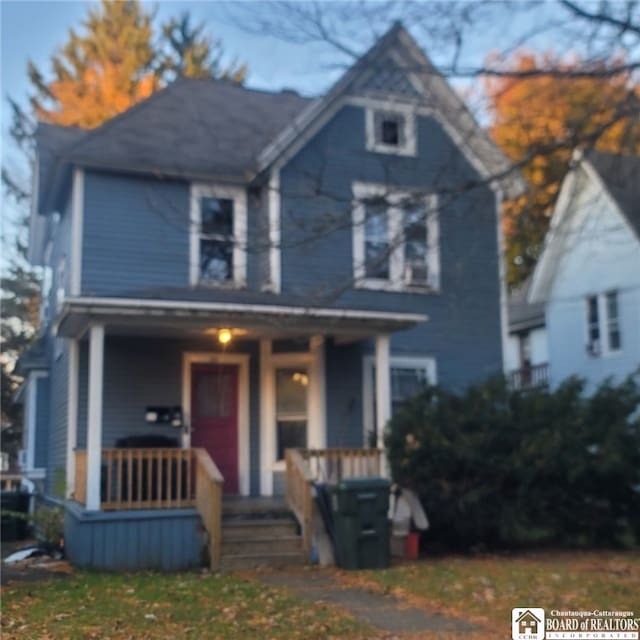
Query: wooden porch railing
(304, 466)
(299, 481)
(531, 377)
(159, 479)
(208, 501)
(80, 486)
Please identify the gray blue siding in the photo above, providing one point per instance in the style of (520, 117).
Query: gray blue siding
(135, 234)
(41, 422)
(141, 372)
(168, 540)
(463, 332)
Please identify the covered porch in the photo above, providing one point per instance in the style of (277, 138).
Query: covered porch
(277, 381)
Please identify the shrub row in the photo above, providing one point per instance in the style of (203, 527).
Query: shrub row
(497, 468)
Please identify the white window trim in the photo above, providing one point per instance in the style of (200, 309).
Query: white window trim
(396, 281)
(239, 197)
(426, 363)
(407, 112)
(313, 361)
(31, 470)
(603, 324)
(241, 360)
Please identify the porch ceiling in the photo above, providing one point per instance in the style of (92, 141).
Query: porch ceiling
(171, 317)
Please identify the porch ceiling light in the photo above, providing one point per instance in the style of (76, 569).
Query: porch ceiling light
(224, 336)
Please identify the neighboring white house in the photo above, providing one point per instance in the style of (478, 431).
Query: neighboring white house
(526, 355)
(588, 276)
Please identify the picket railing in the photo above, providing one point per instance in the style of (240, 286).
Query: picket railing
(305, 466)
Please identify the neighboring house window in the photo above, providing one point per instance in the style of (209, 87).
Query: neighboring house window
(603, 320)
(613, 322)
(409, 375)
(291, 409)
(47, 283)
(593, 326)
(218, 236)
(390, 129)
(395, 239)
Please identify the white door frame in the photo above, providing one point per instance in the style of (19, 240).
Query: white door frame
(313, 362)
(241, 360)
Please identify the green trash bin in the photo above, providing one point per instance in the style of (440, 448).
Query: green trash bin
(361, 525)
(14, 515)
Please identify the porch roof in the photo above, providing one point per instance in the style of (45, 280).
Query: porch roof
(78, 313)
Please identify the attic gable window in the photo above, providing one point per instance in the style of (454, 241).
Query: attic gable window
(604, 336)
(391, 130)
(218, 236)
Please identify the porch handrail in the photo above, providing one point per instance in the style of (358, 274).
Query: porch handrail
(333, 465)
(208, 501)
(80, 486)
(299, 495)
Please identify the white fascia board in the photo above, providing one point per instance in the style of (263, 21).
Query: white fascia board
(131, 306)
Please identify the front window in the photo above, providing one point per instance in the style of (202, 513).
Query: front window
(216, 239)
(218, 236)
(376, 239)
(409, 376)
(395, 239)
(415, 245)
(291, 409)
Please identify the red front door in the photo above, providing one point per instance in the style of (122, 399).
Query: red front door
(214, 417)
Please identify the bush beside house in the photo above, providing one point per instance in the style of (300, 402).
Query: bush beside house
(496, 468)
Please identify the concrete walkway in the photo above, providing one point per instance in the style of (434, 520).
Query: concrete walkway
(384, 612)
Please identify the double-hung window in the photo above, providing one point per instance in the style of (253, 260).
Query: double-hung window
(409, 376)
(603, 324)
(218, 236)
(395, 239)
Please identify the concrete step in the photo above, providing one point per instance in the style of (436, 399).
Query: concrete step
(238, 562)
(242, 529)
(259, 545)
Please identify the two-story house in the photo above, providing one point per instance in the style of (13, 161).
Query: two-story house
(588, 276)
(244, 273)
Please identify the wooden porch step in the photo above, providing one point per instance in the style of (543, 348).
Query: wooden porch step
(237, 562)
(261, 545)
(243, 529)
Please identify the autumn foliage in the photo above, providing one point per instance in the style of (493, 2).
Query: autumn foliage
(538, 118)
(116, 61)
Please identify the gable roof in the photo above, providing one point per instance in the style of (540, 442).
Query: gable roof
(213, 129)
(621, 177)
(397, 64)
(618, 177)
(208, 128)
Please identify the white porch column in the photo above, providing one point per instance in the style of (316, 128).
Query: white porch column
(72, 416)
(94, 421)
(383, 387)
(317, 438)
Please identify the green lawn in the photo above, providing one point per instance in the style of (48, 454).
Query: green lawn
(485, 589)
(92, 605)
